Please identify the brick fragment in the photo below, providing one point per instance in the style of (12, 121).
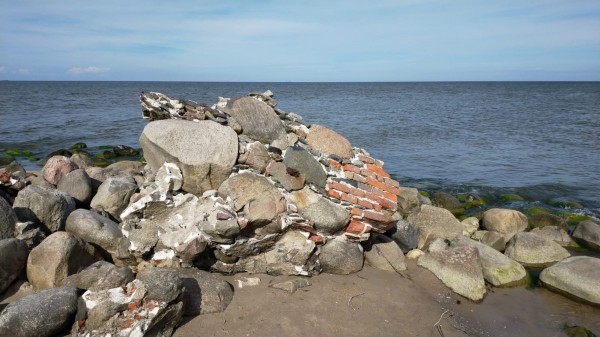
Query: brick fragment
(334, 194)
(349, 198)
(351, 168)
(378, 170)
(366, 159)
(336, 165)
(316, 238)
(356, 211)
(390, 196)
(368, 174)
(358, 227)
(391, 182)
(377, 216)
(127, 323)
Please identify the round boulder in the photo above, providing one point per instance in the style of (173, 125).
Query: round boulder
(340, 256)
(434, 223)
(329, 142)
(205, 292)
(163, 284)
(57, 167)
(327, 216)
(532, 250)
(94, 228)
(114, 194)
(505, 221)
(77, 184)
(576, 277)
(587, 234)
(44, 206)
(13, 258)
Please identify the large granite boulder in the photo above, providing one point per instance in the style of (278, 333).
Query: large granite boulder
(41, 314)
(299, 159)
(498, 269)
(99, 276)
(114, 194)
(434, 223)
(587, 234)
(8, 219)
(341, 256)
(576, 277)
(258, 121)
(458, 268)
(94, 228)
(329, 142)
(385, 254)
(327, 216)
(58, 256)
(57, 167)
(532, 250)
(204, 151)
(44, 206)
(505, 221)
(77, 184)
(13, 259)
(205, 292)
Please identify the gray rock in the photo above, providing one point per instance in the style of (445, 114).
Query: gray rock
(327, 216)
(532, 250)
(205, 151)
(57, 167)
(545, 219)
(438, 245)
(94, 228)
(340, 256)
(8, 219)
(13, 259)
(576, 277)
(258, 120)
(386, 255)
(445, 200)
(257, 156)
(329, 142)
(505, 221)
(205, 293)
(292, 285)
(290, 255)
(99, 276)
(470, 226)
(77, 184)
(58, 256)
(32, 237)
(434, 223)
(405, 234)
(408, 200)
(114, 194)
(44, 206)
(253, 194)
(163, 284)
(491, 238)
(302, 161)
(281, 174)
(587, 233)
(498, 269)
(40, 314)
(459, 269)
(555, 234)
(82, 160)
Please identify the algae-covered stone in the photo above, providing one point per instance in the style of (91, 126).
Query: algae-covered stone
(587, 234)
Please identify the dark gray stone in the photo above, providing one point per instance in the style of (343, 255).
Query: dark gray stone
(13, 259)
(8, 219)
(44, 206)
(327, 217)
(340, 256)
(301, 160)
(114, 194)
(163, 284)
(40, 314)
(204, 293)
(544, 219)
(587, 234)
(77, 184)
(100, 275)
(405, 234)
(445, 200)
(94, 228)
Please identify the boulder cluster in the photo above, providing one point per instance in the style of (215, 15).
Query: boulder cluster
(239, 186)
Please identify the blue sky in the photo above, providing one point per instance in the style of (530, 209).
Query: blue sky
(287, 40)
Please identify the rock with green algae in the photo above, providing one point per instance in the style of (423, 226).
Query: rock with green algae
(578, 331)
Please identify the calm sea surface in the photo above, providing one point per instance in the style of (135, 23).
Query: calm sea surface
(538, 139)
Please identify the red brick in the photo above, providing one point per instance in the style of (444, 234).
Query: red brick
(368, 174)
(359, 178)
(351, 168)
(365, 203)
(336, 165)
(366, 159)
(382, 186)
(134, 305)
(357, 192)
(377, 216)
(356, 211)
(341, 187)
(127, 323)
(377, 207)
(349, 175)
(356, 227)
(391, 182)
(316, 238)
(390, 196)
(378, 170)
(334, 194)
(349, 198)
(384, 202)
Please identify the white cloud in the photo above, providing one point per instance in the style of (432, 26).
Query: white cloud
(2, 69)
(87, 70)
(23, 71)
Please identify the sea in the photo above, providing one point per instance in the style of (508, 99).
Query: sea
(540, 140)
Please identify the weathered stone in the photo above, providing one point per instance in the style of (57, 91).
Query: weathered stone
(576, 277)
(205, 151)
(99, 276)
(459, 269)
(124, 167)
(327, 216)
(82, 160)
(252, 246)
(44, 206)
(58, 256)
(40, 314)
(258, 120)
(340, 256)
(414, 254)
(163, 284)
(56, 168)
(405, 234)
(555, 234)
(8, 219)
(290, 254)
(13, 259)
(77, 184)
(254, 195)
(291, 286)
(302, 161)
(434, 223)
(505, 221)
(281, 173)
(386, 255)
(94, 228)
(204, 293)
(114, 194)
(470, 226)
(532, 250)
(329, 142)
(446, 201)
(587, 233)
(498, 269)
(491, 238)
(545, 219)
(257, 156)
(438, 245)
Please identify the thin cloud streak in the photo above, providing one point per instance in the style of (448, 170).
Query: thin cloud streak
(87, 70)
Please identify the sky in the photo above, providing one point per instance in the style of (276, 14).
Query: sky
(300, 41)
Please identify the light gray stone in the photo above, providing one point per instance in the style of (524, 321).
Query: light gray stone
(44, 206)
(498, 269)
(386, 255)
(279, 172)
(532, 250)
(554, 233)
(470, 226)
(408, 200)
(99, 276)
(545, 219)
(205, 292)
(327, 216)
(292, 285)
(257, 156)
(290, 254)
(40, 314)
(341, 256)
(77, 184)
(587, 234)
(328, 142)
(114, 194)
(13, 259)
(302, 161)
(491, 238)
(94, 228)
(576, 277)
(459, 269)
(58, 256)
(205, 151)
(505, 221)
(8, 219)
(434, 223)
